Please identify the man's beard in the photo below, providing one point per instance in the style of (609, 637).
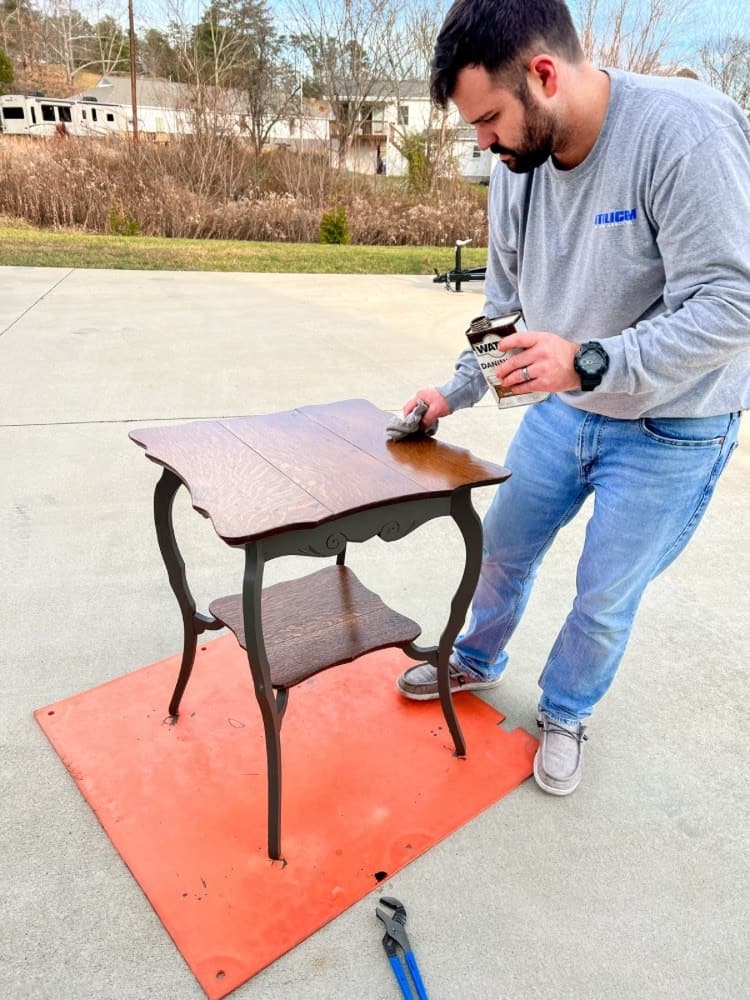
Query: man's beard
(537, 143)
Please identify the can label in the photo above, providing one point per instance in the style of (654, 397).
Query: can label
(485, 338)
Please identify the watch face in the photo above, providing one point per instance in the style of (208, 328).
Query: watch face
(590, 361)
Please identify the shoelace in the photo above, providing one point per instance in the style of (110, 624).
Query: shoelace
(553, 727)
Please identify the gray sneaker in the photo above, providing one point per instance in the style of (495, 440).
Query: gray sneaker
(557, 764)
(420, 682)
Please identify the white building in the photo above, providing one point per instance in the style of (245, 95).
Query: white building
(163, 107)
(166, 108)
(398, 113)
(388, 120)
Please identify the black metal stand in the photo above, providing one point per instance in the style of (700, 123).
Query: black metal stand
(459, 274)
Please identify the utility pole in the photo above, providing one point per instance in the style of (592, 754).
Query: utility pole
(133, 88)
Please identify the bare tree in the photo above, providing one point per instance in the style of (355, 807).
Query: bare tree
(269, 86)
(206, 54)
(427, 148)
(234, 60)
(725, 63)
(272, 90)
(13, 14)
(67, 38)
(110, 49)
(345, 44)
(21, 37)
(635, 35)
(724, 56)
(209, 51)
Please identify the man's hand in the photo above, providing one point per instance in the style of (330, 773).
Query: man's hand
(437, 406)
(547, 359)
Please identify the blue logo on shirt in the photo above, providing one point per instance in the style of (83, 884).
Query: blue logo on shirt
(615, 218)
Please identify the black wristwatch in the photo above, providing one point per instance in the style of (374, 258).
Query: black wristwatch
(591, 363)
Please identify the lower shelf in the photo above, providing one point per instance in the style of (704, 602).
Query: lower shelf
(317, 622)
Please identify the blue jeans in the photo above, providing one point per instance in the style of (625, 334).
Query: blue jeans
(651, 479)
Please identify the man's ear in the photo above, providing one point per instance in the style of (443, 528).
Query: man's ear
(543, 75)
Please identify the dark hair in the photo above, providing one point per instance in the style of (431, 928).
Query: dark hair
(498, 34)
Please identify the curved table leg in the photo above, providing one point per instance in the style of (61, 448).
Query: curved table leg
(470, 526)
(271, 709)
(192, 623)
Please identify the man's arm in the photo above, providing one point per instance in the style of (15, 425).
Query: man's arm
(700, 210)
(468, 384)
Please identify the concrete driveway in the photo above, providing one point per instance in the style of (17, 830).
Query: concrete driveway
(637, 886)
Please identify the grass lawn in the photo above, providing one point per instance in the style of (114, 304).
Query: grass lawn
(24, 246)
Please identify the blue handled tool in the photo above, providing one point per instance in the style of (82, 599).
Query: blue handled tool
(396, 937)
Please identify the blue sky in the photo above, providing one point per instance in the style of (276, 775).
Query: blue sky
(700, 19)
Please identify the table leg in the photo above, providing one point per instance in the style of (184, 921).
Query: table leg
(271, 708)
(192, 623)
(470, 526)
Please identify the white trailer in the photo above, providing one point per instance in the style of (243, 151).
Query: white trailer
(35, 115)
(92, 117)
(46, 116)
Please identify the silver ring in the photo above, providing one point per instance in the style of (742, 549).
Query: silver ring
(525, 373)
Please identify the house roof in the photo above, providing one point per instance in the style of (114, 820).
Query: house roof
(154, 93)
(413, 90)
(384, 90)
(158, 93)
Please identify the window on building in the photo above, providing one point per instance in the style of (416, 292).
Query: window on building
(64, 114)
(32, 109)
(378, 119)
(403, 114)
(11, 112)
(48, 112)
(373, 119)
(110, 116)
(476, 152)
(93, 115)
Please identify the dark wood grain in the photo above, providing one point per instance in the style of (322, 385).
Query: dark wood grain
(338, 474)
(261, 475)
(320, 621)
(242, 493)
(435, 466)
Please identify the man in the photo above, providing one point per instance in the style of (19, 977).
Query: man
(619, 225)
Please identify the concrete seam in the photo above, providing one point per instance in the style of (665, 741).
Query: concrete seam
(36, 302)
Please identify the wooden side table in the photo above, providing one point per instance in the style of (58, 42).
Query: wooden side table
(307, 482)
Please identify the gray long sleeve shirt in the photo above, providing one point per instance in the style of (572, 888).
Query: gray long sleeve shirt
(645, 246)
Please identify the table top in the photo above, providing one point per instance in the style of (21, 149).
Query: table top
(262, 475)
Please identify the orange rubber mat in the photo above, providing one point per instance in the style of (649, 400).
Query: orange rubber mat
(369, 783)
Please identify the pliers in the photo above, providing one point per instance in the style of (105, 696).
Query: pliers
(395, 937)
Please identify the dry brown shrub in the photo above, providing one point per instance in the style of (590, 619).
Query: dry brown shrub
(399, 221)
(211, 165)
(49, 185)
(217, 189)
(271, 218)
(307, 175)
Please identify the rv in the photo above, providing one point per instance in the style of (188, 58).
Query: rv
(45, 116)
